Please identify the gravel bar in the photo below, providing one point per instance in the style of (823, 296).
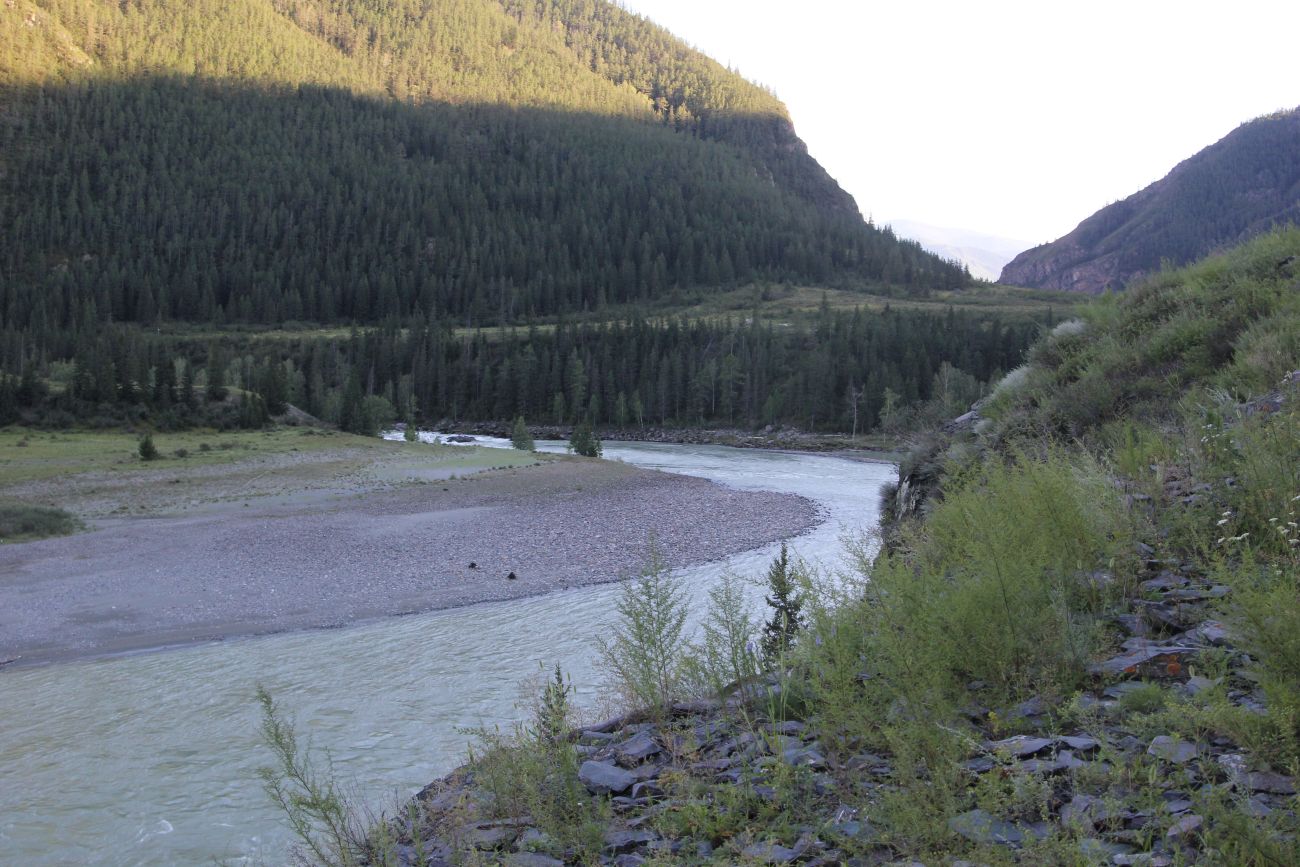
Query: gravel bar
(270, 566)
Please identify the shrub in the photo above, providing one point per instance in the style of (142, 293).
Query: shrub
(19, 522)
(644, 656)
(584, 441)
(993, 589)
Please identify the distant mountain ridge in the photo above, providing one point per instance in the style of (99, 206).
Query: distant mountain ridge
(985, 255)
(1239, 187)
(337, 161)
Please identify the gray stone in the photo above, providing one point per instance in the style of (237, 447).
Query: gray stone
(1274, 784)
(531, 859)
(489, 836)
(1080, 743)
(603, 778)
(804, 757)
(626, 841)
(1149, 660)
(770, 853)
(1185, 825)
(1019, 746)
(1093, 848)
(637, 748)
(1234, 766)
(1173, 750)
(979, 826)
(789, 727)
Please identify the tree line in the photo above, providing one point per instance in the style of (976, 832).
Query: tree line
(851, 371)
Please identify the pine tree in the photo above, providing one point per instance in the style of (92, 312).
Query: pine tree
(786, 603)
(520, 438)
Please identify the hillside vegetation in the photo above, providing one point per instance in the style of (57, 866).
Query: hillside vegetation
(264, 161)
(1079, 647)
(1245, 184)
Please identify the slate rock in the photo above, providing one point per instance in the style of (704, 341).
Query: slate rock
(531, 859)
(1080, 743)
(1274, 784)
(1173, 750)
(1187, 824)
(625, 841)
(1019, 746)
(487, 837)
(637, 748)
(804, 757)
(770, 853)
(603, 778)
(978, 826)
(1149, 661)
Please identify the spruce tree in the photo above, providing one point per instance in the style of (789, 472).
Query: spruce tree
(520, 438)
(584, 441)
(786, 603)
(148, 451)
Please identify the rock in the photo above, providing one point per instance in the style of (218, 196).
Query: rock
(637, 748)
(1197, 685)
(1174, 750)
(1082, 810)
(804, 756)
(789, 727)
(1274, 784)
(625, 841)
(1185, 825)
(770, 853)
(1164, 581)
(489, 836)
(1079, 743)
(1019, 746)
(531, 859)
(978, 826)
(603, 778)
(1210, 632)
(1148, 661)
(1094, 849)
(1234, 766)
(1142, 859)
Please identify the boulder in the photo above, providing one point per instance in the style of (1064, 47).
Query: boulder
(1174, 750)
(604, 778)
(978, 826)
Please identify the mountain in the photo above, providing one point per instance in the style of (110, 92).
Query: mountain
(984, 255)
(336, 161)
(1233, 190)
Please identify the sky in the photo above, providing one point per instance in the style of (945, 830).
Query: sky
(1015, 119)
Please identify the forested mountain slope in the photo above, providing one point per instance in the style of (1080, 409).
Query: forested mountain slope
(1235, 189)
(328, 161)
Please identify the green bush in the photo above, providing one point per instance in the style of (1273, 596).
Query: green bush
(998, 586)
(644, 657)
(20, 522)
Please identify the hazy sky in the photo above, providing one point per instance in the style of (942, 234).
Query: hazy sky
(1014, 119)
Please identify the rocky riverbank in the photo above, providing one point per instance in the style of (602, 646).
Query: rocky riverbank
(708, 783)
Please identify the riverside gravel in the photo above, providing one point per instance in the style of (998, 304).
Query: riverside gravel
(284, 563)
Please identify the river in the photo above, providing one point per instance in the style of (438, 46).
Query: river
(152, 758)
